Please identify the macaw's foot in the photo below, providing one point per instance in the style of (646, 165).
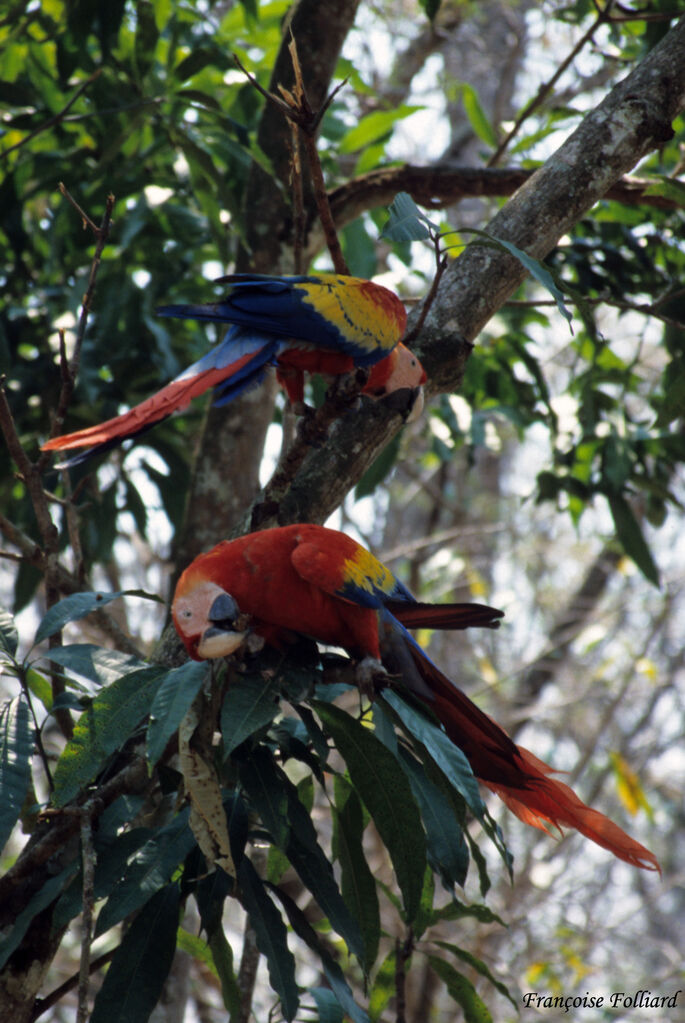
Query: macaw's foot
(371, 677)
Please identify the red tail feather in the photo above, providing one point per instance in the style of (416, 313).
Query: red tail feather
(176, 395)
(518, 777)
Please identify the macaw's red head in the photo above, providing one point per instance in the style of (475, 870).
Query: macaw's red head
(207, 619)
(398, 371)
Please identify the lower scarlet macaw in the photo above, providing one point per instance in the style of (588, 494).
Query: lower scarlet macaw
(322, 323)
(309, 580)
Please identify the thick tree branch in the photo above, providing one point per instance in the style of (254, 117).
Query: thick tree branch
(633, 119)
(443, 185)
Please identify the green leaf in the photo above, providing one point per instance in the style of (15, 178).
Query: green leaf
(477, 117)
(462, 991)
(95, 663)
(278, 803)
(148, 871)
(328, 1007)
(631, 537)
(431, 7)
(111, 864)
(103, 728)
(479, 966)
(222, 958)
(673, 401)
(373, 127)
(448, 853)
(456, 910)
(9, 637)
(669, 188)
(446, 755)
(16, 750)
(40, 901)
(176, 692)
(246, 708)
(272, 937)
(358, 883)
(406, 222)
(334, 975)
(534, 267)
(77, 606)
(133, 983)
(387, 795)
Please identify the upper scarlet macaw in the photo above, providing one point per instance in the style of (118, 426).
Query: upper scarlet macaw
(321, 323)
(306, 579)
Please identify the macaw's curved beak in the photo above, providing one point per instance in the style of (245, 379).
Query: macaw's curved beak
(227, 631)
(408, 401)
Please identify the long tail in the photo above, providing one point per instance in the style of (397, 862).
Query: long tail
(237, 363)
(521, 780)
(415, 615)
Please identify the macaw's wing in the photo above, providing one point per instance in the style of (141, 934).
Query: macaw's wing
(360, 318)
(237, 363)
(343, 568)
(339, 566)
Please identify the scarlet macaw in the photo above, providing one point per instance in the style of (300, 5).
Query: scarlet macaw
(306, 579)
(321, 323)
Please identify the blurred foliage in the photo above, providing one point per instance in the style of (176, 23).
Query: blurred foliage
(278, 727)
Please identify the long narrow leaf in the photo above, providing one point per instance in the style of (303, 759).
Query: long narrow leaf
(272, 937)
(632, 538)
(446, 755)
(386, 792)
(247, 707)
(43, 897)
(141, 964)
(175, 693)
(480, 967)
(77, 606)
(9, 637)
(269, 787)
(148, 872)
(334, 975)
(448, 853)
(358, 883)
(104, 727)
(16, 749)
(462, 991)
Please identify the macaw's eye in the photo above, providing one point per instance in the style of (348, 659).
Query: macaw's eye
(186, 613)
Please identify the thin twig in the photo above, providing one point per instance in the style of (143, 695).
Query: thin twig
(69, 367)
(615, 303)
(38, 737)
(55, 119)
(403, 952)
(296, 108)
(88, 900)
(546, 87)
(42, 1005)
(298, 198)
(309, 122)
(441, 261)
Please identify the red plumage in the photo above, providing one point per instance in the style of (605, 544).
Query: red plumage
(305, 579)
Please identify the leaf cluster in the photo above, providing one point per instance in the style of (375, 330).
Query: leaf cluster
(276, 761)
